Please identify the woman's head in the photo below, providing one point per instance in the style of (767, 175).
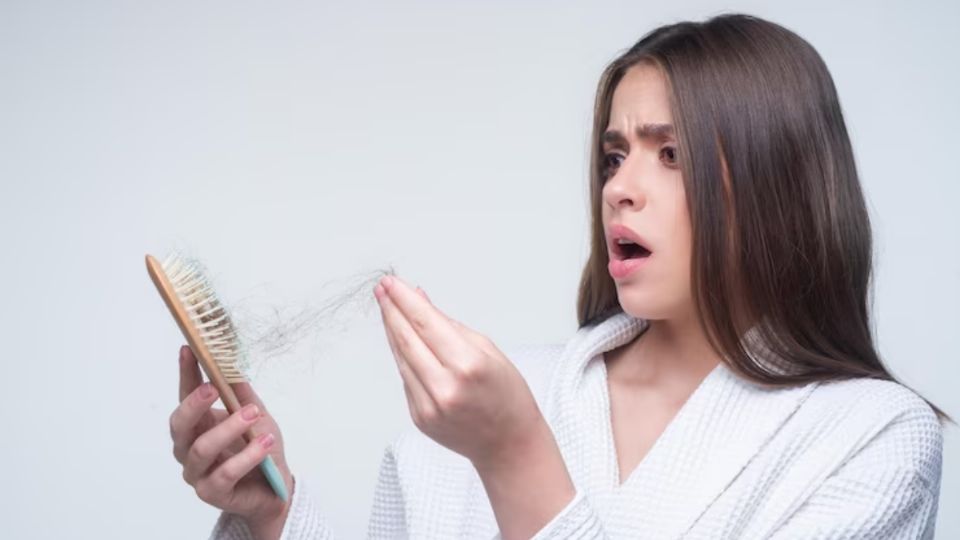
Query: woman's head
(642, 199)
(751, 205)
(751, 173)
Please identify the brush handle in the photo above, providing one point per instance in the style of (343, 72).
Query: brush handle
(269, 469)
(209, 366)
(267, 466)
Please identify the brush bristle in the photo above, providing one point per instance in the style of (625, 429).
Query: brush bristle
(208, 315)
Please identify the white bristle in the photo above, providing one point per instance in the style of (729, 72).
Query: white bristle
(210, 318)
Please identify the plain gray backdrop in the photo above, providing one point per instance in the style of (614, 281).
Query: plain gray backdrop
(295, 145)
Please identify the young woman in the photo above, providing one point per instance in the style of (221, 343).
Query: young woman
(723, 382)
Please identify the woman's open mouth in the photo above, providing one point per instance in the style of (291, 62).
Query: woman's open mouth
(626, 249)
(626, 257)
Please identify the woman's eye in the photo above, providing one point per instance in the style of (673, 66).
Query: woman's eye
(671, 153)
(610, 161)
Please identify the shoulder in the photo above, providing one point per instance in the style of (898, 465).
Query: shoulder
(883, 424)
(877, 400)
(859, 457)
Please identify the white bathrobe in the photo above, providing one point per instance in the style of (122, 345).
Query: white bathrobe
(844, 459)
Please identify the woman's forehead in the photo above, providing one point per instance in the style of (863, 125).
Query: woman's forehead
(640, 98)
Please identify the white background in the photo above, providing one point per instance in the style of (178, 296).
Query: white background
(295, 145)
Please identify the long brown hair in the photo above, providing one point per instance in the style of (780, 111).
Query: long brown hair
(772, 192)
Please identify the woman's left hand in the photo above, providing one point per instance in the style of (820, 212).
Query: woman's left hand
(462, 391)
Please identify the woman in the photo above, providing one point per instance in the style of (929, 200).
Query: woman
(723, 382)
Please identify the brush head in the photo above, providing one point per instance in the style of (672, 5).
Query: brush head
(189, 281)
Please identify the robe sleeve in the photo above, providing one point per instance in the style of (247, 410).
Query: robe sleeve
(306, 520)
(578, 519)
(888, 489)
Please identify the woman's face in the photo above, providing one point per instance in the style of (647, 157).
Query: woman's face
(643, 191)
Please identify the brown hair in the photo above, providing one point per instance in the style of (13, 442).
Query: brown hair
(772, 192)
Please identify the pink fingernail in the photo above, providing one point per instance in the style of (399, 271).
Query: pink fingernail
(207, 390)
(266, 440)
(250, 412)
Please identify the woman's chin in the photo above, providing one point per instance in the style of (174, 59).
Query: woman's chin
(645, 307)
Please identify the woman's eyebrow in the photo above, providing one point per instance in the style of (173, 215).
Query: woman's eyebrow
(643, 131)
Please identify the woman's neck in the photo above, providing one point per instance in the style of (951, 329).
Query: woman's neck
(670, 357)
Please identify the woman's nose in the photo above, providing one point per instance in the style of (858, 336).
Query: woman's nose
(623, 190)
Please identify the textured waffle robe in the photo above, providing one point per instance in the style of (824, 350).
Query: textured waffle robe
(859, 458)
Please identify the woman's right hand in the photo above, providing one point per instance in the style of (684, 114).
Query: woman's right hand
(217, 462)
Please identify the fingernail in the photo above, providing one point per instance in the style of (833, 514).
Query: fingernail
(250, 412)
(387, 281)
(207, 390)
(378, 291)
(266, 440)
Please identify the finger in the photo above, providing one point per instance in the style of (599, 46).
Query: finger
(190, 377)
(421, 359)
(417, 396)
(423, 293)
(431, 326)
(223, 479)
(204, 451)
(184, 419)
(419, 401)
(412, 400)
(214, 417)
(474, 337)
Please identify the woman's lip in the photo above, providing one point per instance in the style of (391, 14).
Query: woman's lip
(621, 268)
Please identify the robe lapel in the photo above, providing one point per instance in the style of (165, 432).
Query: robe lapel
(721, 426)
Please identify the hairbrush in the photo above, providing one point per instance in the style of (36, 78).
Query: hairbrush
(211, 334)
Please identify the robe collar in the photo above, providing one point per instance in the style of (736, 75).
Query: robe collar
(722, 425)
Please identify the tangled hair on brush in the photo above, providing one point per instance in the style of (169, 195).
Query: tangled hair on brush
(268, 327)
(272, 331)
